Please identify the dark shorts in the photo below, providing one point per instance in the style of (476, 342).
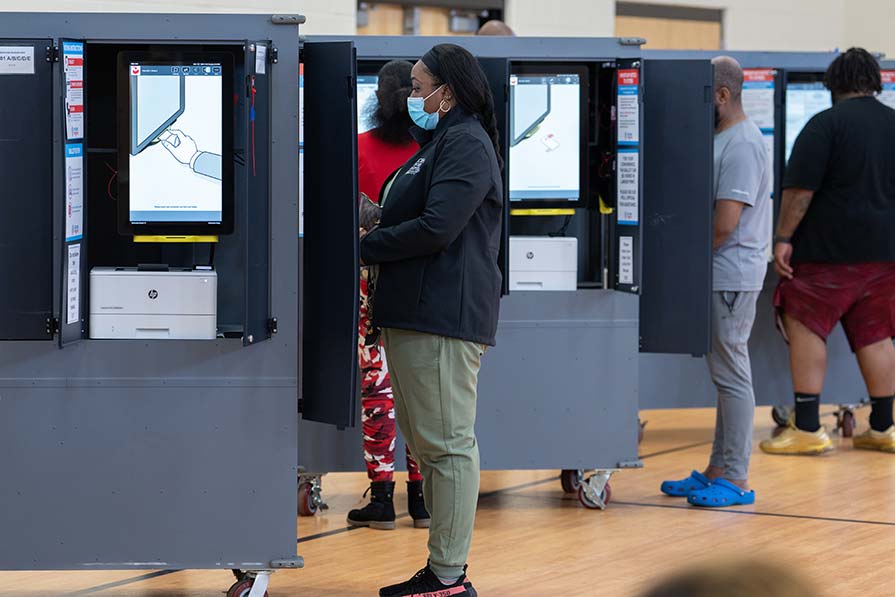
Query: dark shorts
(861, 296)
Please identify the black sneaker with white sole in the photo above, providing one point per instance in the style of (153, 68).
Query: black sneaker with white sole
(425, 584)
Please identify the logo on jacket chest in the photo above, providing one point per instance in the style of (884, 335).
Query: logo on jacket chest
(415, 169)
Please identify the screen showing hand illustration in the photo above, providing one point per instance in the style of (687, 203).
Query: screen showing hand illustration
(176, 143)
(546, 137)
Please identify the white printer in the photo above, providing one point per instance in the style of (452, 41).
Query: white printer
(131, 303)
(543, 263)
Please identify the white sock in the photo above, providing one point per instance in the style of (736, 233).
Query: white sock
(448, 581)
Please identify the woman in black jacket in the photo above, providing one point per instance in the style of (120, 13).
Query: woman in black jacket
(438, 293)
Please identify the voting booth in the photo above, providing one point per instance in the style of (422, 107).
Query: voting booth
(781, 92)
(152, 359)
(607, 248)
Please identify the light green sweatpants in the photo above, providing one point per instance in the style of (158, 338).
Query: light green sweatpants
(434, 379)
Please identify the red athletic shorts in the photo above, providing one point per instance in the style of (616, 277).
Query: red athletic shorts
(861, 296)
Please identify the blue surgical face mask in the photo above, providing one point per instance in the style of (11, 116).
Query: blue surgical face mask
(416, 107)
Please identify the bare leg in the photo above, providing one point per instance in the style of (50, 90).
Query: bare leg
(877, 363)
(716, 472)
(713, 472)
(807, 357)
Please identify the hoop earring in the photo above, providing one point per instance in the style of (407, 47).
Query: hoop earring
(443, 109)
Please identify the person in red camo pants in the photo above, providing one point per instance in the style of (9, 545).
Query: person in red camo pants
(381, 151)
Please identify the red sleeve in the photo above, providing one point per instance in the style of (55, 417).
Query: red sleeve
(365, 171)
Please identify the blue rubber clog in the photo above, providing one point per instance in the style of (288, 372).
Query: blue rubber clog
(719, 494)
(682, 488)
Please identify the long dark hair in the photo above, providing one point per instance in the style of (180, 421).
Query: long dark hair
(390, 119)
(459, 70)
(856, 71)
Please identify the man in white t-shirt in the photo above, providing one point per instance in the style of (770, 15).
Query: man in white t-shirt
(741, 238)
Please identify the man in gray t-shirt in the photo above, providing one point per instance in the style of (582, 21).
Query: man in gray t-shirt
(742, 234)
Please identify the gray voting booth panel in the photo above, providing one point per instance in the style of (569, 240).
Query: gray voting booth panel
(558, 391)
(142, 454)
(560, 388)
(668, 381)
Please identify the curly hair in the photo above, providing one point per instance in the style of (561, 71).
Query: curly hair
(390, 119)
(855, 71)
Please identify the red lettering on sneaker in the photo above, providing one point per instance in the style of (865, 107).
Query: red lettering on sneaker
(446, 592)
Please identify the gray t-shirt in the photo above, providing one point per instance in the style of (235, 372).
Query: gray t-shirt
(743, 173)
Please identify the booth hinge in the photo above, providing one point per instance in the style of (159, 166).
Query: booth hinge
(287, 19)
(630, 464)
(52, 54)
(52, 326)
(273, 55)
(296, 562)
(272, 326)
(631, 41)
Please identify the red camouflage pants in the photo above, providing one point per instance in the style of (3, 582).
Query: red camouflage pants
(377, 402)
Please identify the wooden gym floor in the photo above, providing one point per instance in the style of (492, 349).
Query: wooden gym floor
(832, 518)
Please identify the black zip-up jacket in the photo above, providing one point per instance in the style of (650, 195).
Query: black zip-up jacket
(438, 240)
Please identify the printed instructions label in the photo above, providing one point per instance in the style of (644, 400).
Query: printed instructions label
(261, 59)
(758, 96)
(629, 106)
(888, 95)
(758, 102)
(628, 187)
(74, 191)
(16, 60)
(626, 260)
(74, 285)
(73, 63)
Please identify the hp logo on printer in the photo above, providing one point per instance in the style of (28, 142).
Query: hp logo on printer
(153, 294)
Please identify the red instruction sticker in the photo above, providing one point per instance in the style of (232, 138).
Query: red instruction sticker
(755, 75)
(629, 76)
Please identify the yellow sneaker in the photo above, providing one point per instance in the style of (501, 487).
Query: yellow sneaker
(883, 441)
(793, 441)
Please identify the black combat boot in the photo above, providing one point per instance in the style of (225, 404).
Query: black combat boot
(416, 505)
(380, 512)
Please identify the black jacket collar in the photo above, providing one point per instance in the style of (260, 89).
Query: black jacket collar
(456, 116)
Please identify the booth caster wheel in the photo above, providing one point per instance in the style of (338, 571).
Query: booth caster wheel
(780, 414)
(845, 423)
(595, 493)
(571, 480)
(242, 588)
(310, 495)
(239, 574)
(307, 505)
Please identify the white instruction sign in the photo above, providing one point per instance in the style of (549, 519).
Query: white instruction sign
(758, 96)
(626, 260)
(629, 106)
(628, 187)
(261, 59)
(73, 294)
(16, 60)
(74, 191)
(73, 64)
